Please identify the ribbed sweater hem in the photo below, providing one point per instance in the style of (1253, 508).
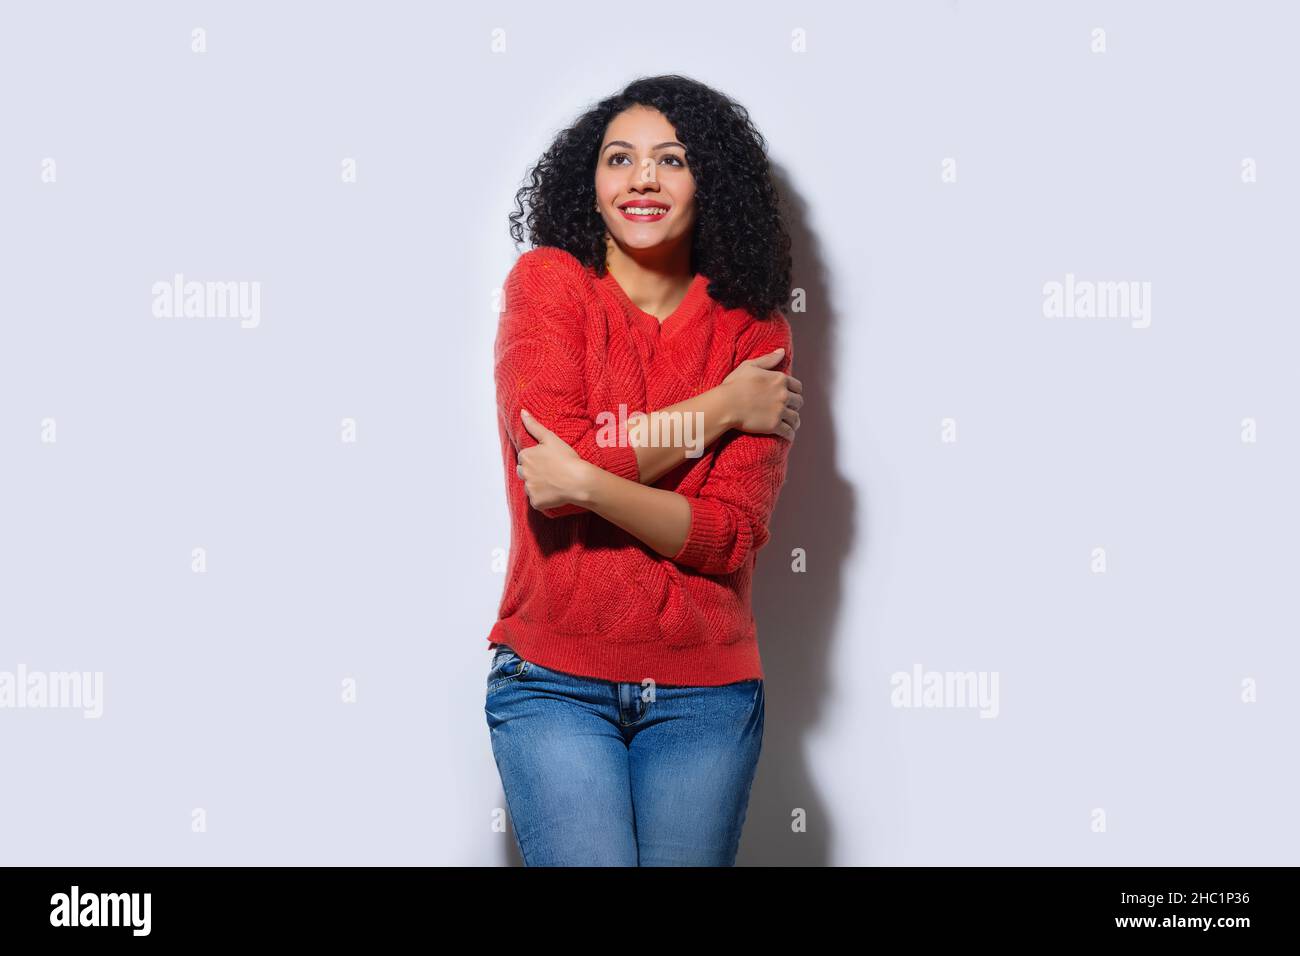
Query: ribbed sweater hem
(701, 665)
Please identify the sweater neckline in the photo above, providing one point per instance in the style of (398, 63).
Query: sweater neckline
(692, 304)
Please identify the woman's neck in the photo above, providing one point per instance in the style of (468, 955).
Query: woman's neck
(655, 282)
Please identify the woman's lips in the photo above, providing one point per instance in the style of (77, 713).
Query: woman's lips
(642, 217)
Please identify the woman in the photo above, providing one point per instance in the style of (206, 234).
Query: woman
(625, 694)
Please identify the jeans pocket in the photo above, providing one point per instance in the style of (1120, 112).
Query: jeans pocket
(506, 666)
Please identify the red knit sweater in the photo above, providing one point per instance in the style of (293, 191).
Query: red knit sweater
(581, 595)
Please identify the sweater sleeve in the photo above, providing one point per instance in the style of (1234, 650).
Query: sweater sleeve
(540, 356)
(731, 511)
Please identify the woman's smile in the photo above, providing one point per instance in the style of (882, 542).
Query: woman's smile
(644, 210)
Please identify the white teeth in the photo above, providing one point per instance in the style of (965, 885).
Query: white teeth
(645, 211)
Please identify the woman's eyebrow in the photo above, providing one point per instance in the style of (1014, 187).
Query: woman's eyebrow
(627, 145)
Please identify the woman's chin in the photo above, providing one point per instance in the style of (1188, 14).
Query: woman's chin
(642, 238)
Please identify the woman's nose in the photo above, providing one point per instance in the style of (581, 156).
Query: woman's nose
(646, 174)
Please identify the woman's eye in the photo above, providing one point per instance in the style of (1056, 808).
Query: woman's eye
(613, 160)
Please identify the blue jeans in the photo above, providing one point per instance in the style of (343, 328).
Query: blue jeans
(595, 775)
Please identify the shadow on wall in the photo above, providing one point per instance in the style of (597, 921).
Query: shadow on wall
(797, 613)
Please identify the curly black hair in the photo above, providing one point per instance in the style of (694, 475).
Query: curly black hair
(740, 240)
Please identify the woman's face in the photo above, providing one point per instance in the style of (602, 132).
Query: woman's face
(642, 163)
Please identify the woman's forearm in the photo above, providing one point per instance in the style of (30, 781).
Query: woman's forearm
(689, 426)
(660, 518)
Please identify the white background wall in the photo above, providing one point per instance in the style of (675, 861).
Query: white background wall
(1120, 691)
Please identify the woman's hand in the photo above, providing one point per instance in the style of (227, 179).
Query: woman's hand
(764, 401)
(554, 474)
